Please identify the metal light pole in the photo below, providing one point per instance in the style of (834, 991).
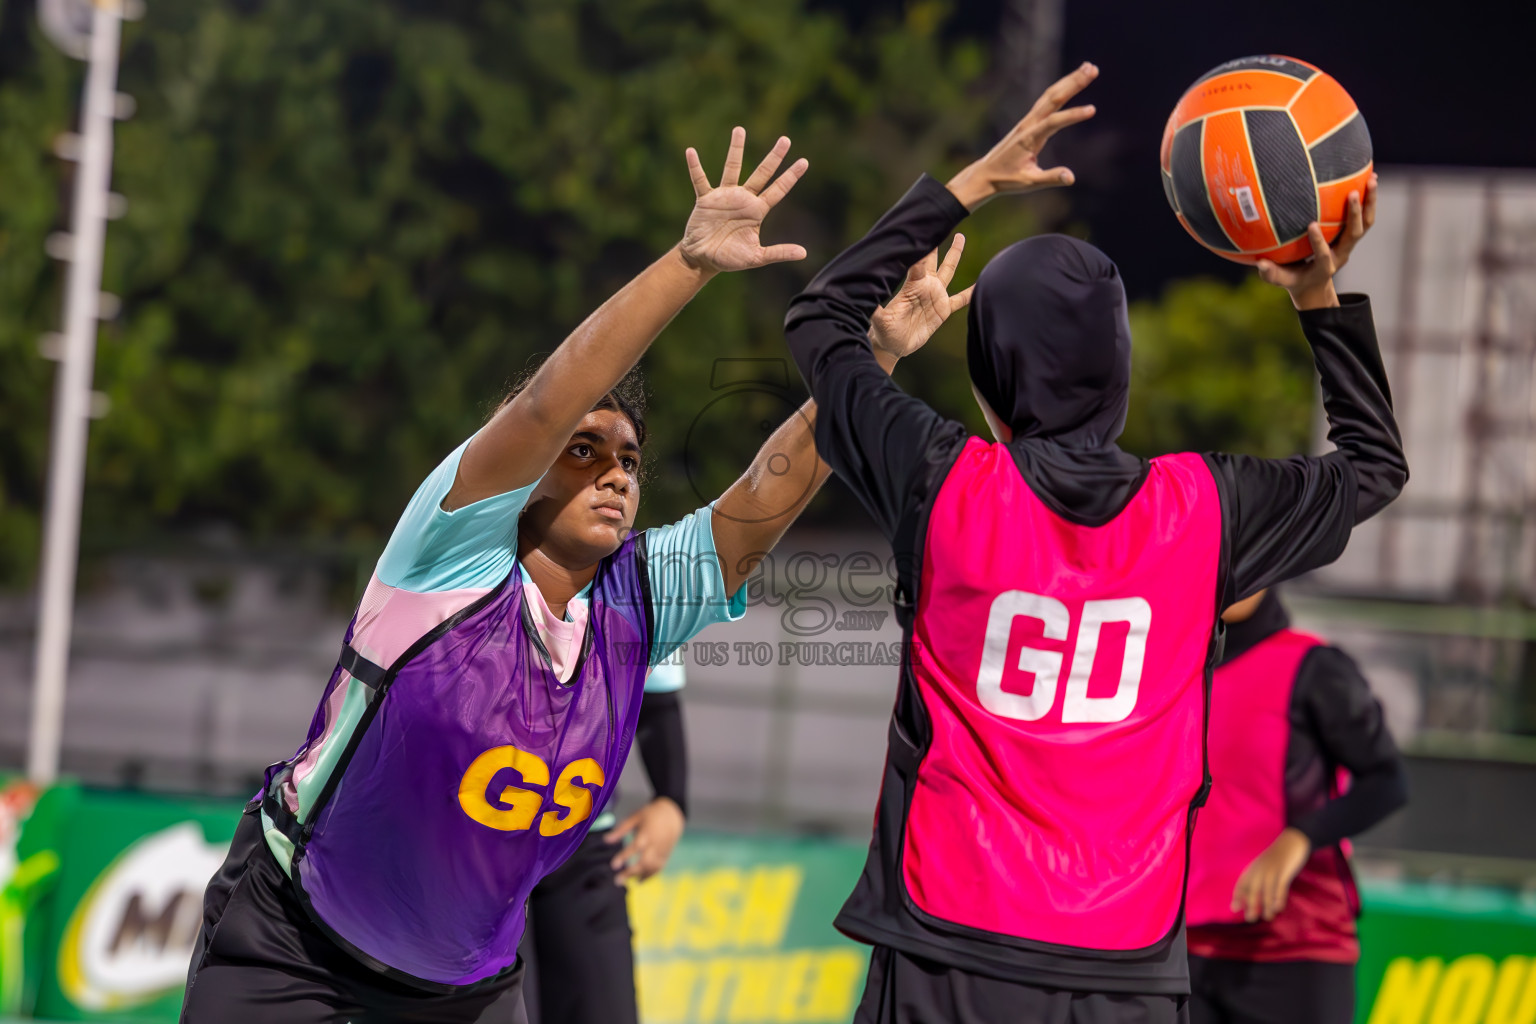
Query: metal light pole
(72, 388)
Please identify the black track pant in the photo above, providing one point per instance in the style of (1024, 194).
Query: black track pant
(581, 963)
(260, 959)
(1296, 992)
(908, 990)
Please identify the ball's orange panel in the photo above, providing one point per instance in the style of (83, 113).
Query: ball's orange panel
(1247, 259)
(1321, 107)
(1236, 89)
(1333, 198)
(1297, 250)
(1166, 152)
(1233, 183)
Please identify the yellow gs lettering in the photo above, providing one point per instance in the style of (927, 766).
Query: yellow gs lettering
(577, 800)
(518, 806)
(514, 808)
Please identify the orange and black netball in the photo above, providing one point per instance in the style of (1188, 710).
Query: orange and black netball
(1257, 149)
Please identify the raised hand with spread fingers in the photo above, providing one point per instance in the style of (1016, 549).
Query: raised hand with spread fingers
(724, 231)
(904, 325)
(1013, 165)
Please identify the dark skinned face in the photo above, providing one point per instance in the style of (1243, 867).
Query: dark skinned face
(585, 506)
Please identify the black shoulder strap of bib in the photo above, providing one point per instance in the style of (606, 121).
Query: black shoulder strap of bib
(364, 671)
(360, 668)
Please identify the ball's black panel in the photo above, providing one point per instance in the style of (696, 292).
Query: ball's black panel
(1284, 65)
(1168, 190)
(1343, 153)
(1189, 190)
(1284, 172)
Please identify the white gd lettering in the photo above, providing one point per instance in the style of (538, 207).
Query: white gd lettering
(1046, 666)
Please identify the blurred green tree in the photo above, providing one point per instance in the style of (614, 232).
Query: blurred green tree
(36, 98)
(352, 223)
(1219, 367)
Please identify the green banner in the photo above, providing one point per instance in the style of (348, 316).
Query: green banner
(128, 902)
(101, 897)
(29, 867)
(740, 930)
(1443, 954)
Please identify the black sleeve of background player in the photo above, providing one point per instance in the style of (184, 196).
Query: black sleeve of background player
(1289, 516)
(1339, 710)
(876, 437)
(663, 750)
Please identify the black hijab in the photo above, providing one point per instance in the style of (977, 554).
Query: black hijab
(1050, 351)
(1049, 346)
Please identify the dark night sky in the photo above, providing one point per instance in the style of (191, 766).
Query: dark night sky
(1439, 84)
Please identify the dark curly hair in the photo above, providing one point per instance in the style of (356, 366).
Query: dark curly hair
(627, 397)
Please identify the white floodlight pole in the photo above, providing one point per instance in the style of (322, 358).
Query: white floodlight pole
(72, 395)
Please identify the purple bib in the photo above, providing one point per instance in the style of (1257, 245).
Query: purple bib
(474, 773)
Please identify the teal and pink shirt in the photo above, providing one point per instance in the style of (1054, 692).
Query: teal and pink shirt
(468, 735)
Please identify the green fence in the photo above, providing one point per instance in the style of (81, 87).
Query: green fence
(100, 899)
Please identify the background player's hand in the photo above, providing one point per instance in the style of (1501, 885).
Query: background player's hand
(655, 829)
(904, 325)
(1310, 281)
(722, 232)
(1264, 885)
(1013, 165)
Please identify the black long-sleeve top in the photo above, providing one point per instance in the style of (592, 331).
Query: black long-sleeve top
(1279, 518)
(1335, 723)
(1282, 517)
(663, 749)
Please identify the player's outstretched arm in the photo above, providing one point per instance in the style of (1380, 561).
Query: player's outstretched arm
(1293, 515)
(723, 234)
(753, 514)
(873, 434)
(1013, 165)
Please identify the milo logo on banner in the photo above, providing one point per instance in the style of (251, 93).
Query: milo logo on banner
(129, 939)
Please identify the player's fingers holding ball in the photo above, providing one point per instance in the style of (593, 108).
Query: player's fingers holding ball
(1322, 265)
(1272, 273)
(1321, 250)
(1356, 217)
